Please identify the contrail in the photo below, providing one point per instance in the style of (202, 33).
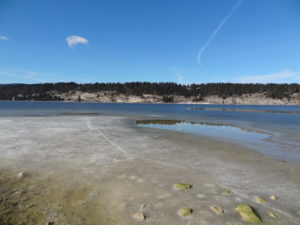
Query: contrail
(218, 28)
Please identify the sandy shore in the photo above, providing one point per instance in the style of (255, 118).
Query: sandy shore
(103, 170)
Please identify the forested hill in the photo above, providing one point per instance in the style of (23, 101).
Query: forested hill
(149, 92)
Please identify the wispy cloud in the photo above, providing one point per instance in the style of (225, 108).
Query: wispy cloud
(179, 75)
(217, 30)
(21, 75)
(4, 38)
(75, 40)
(284, 76)
(28, 76)
(180, 79)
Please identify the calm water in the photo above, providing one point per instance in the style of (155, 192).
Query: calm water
(273, 130)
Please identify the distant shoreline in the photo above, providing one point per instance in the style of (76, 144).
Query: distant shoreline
(169, 103)
(147, 92)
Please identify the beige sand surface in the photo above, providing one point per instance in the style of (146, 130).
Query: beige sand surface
(103, 170)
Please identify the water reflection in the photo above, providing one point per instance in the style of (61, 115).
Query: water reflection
(244, 110)
(207, 129)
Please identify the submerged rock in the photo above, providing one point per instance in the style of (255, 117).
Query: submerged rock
(273, 197)
(139, 216)
(182, 186)
(260, 200)
(185, 212)
(217, 210)
(247, 213)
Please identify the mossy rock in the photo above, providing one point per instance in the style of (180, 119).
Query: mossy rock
(260, 200)
(182, 186)
(247, 213)
(139, 216)
(226, 192)
(185, 212)
(217, 210)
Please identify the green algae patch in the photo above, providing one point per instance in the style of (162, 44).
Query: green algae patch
(50, 200)
(182, 186)
(184, 212)
(247, 213)
(298, 212)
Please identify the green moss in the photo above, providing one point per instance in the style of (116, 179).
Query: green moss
(182, 186)
(247, 213)
(185, 212)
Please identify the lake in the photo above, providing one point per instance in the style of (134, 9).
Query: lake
(272, 130)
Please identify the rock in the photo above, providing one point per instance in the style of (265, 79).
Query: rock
(217, 210)
(273, 197)
(273, 215)
(260, 200)
(247, 213)
(139, 216)
(184, 212)
(226, 192)
(182, 186)
(21, 175)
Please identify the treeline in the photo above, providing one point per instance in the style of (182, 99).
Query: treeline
(49, 91)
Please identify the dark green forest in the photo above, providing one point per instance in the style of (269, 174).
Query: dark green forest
(45, 91)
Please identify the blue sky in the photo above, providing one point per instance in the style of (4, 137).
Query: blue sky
(184, 41)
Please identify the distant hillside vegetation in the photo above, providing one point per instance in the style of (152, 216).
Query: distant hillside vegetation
(147, 92)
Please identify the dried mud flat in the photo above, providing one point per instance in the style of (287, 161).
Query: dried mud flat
(105, 170)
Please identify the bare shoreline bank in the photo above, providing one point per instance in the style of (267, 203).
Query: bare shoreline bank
(102, 170)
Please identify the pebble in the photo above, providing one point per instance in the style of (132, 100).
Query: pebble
(273, 197)
(260, 200)
(217, 210)
(273, 215)
(21, 175)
